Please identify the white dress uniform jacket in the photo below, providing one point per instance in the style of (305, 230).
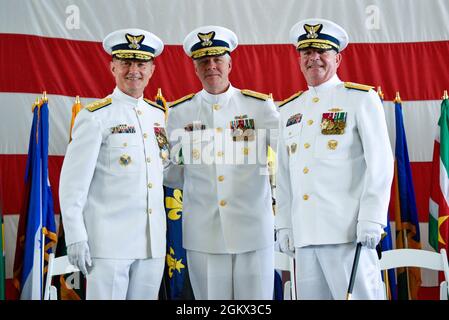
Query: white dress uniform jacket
(227, 196)
(327, 182)
(111, 190)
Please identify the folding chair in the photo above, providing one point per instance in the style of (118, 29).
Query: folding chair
(284, 262)
(418, 258)
(56, 266)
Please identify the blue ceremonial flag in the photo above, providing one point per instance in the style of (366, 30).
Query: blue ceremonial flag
(405, 210)
(176, 254)
(36, 236)
(278, 293)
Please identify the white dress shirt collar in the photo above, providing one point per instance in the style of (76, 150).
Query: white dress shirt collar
(332, 82)
(126, 99)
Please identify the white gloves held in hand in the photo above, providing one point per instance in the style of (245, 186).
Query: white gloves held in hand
(176, 154)
(369, 233)
(285, 239)
(79, 255)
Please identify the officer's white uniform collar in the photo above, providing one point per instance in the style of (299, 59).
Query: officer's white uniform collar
(332, 82)
(221, 98)
(126, 99)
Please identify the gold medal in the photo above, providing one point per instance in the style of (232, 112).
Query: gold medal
(125, 160)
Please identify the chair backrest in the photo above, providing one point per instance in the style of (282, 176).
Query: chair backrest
(56, 266)
(284, 262)
(418, 258)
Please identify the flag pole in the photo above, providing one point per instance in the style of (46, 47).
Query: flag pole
(36, 104)
(44, 100)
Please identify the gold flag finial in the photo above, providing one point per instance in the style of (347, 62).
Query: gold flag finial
(398, 97)
(77, 99)
(35, 104)
(445, 96)
(271, 96)
(159, 91)
(380, 93)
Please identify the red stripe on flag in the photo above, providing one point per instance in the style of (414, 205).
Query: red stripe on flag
(421, 175)
(73, 67)
(12, 179)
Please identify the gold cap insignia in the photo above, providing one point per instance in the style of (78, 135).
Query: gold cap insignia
(134, 41)
(206, 38)
(312, 31)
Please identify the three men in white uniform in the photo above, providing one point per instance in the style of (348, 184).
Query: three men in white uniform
(111, 190)
(335, 171)
(223, 134)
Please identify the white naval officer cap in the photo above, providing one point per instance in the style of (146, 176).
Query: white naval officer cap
(133, 43)
(319, 34)
(209, 41)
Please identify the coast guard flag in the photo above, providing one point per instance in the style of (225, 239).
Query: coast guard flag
(37, 230)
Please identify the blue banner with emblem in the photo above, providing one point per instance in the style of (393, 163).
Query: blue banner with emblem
(176, 258)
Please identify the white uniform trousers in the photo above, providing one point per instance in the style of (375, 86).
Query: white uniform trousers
(124, 279)
(323, 273)
(242, 276)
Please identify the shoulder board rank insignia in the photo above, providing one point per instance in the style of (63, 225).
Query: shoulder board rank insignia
(97, 105)
(181, 100)
(254, 94)
(154, 104)
(293, 97)
(357, 86)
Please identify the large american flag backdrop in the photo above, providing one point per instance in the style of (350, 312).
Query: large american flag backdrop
(55, 46)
